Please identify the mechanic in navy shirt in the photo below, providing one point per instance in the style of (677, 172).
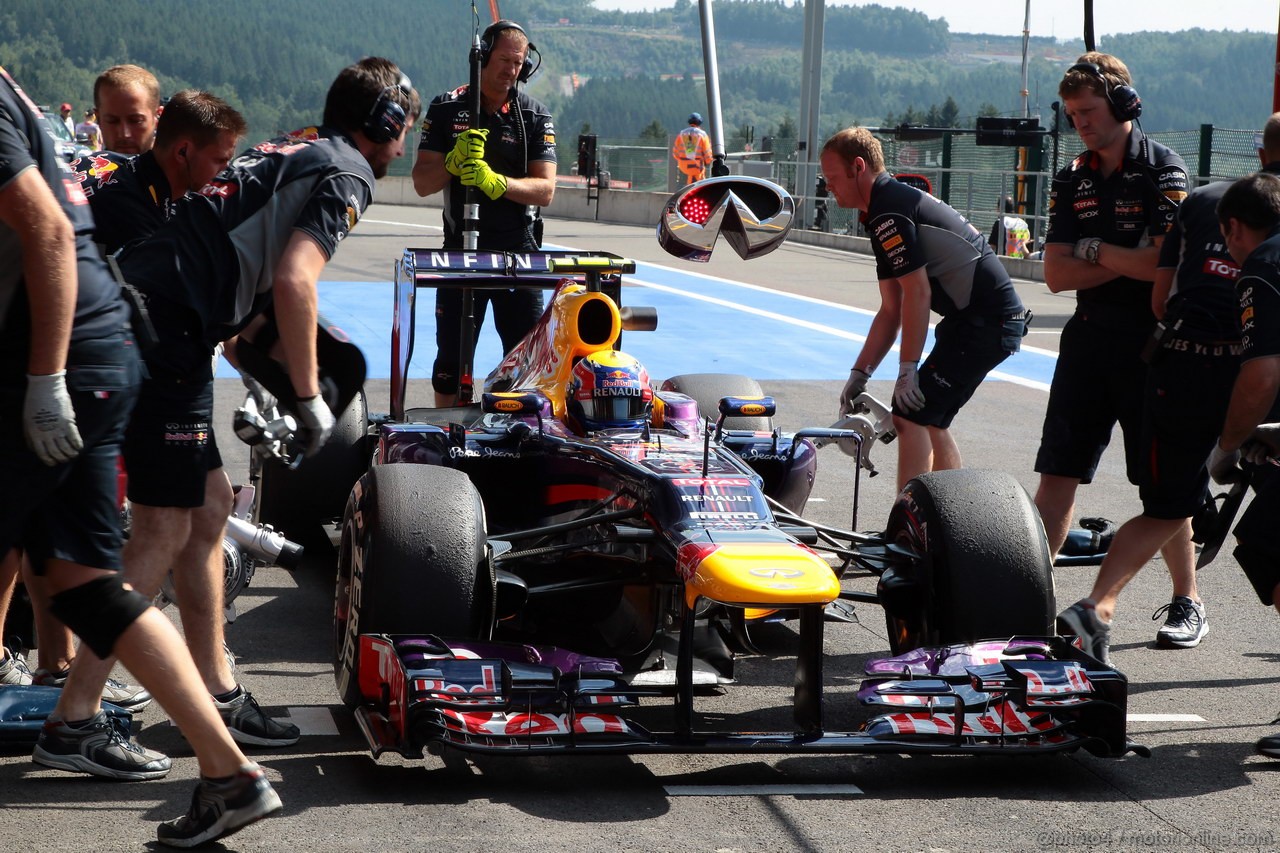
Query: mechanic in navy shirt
(927, 257)
(1250, 218)
(259, 233)
(511, 158)
(131, 197)
(1109, 210)
(68, 365)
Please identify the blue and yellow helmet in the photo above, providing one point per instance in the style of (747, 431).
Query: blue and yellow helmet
(609, 390)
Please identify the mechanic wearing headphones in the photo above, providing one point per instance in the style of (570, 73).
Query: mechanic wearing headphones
(1109, 210)
(511, 159)
(928, 256)
(70, 372)
(259, 234)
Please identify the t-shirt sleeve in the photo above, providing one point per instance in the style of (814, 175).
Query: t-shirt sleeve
(334, 209)
(897, 250)
(542, 137)
(1062, 220)
(1259, 312)
(15, 155)
(436, 135)
(1171, 248)
(1171, 181)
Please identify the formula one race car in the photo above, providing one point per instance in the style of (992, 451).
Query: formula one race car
(557, 570)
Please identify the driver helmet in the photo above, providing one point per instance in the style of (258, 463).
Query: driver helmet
(609, 390)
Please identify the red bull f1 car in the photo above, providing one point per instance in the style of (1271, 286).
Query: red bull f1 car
(509, 582)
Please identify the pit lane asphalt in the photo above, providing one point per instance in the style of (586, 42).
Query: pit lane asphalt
(1203, 789)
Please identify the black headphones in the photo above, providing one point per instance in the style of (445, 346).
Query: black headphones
(1124, 100)
(491, 35)
(387, 119)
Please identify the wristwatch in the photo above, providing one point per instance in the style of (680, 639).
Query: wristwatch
(1091, 246)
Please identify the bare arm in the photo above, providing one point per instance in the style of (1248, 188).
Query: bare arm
(28, 206)
(1160, 293)
(296, 310)
(1251, 399)
(1063, 271)
(916, 290)
(884, 327)
(538, 189)
(429, 174)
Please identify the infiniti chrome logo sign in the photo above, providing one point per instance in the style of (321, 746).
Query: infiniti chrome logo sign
(754, 216)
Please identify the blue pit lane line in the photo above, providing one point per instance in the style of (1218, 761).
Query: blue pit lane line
(705, 325)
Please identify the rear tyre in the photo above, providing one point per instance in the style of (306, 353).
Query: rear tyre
(299, 502)
(986, 571)
(708, 388)
(412, 560)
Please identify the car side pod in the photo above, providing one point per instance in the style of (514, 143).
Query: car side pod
(754, 215)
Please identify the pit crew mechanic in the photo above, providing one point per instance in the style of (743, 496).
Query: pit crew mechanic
(511, 158)
(927, 256)
(127, 98)
(1250, 217)
(69, 365)
(1191, 370)
(259, 234)
(1109, 211)
(131, 197)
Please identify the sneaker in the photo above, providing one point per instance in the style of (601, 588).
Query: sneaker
(1081, 620)
(1269, 746)
(250, 725)
(102, 746)
(221, 807)
(1184, 626)
(132, 697)
(13, 669)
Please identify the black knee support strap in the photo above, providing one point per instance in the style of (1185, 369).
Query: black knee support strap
(99, 611)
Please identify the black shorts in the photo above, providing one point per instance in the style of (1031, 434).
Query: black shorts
(1258, 549)
(1187, 392)
(71, 511)
(964, 351)
(514, 313)
(1098, 381)
(169, 447)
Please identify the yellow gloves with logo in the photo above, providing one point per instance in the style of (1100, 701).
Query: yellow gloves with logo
(476, 173)
(468, 146)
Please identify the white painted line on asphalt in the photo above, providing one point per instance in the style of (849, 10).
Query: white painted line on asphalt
(1165, 718)
(757, 790)
(313, 720)
(404, 224)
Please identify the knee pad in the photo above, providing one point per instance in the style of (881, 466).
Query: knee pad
(99, 611)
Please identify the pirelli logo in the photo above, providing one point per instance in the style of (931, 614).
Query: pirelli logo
(893, 241)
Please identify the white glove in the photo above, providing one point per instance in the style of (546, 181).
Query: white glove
(906, 393)
(316, 424)
(48, 419)
(262, 398)
(856, 385)
(1224, 467)
(1263, 445)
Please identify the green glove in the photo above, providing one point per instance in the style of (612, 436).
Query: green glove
(469, 145)
(476, 173)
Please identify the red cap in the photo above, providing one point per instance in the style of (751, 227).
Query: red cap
(66, 108)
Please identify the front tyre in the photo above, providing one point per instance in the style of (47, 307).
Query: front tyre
(982, 568)
(412, 560)
(708, 388)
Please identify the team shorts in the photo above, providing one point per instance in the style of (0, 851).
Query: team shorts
(71, 511)
(1098, 382)
(1187, 391)
(169, 447)
(514, 313)
(1258, 549)
(965, 350)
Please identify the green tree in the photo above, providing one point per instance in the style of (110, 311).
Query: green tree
(654, 131)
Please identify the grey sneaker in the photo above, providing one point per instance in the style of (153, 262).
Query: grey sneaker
(1185, 624)
(13, 669)
(131, 697)
(1081, 620)
(250, 725)
(221, 807)
(102, 746)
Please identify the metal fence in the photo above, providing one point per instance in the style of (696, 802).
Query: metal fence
(972, 178)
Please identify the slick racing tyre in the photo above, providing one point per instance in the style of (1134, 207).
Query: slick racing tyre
(412, 560)
(982, 568)
(298, 502)
(708, 388)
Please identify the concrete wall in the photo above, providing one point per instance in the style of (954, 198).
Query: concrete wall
(627, 207)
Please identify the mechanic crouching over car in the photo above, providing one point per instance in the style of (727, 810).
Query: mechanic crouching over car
(928, 256)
